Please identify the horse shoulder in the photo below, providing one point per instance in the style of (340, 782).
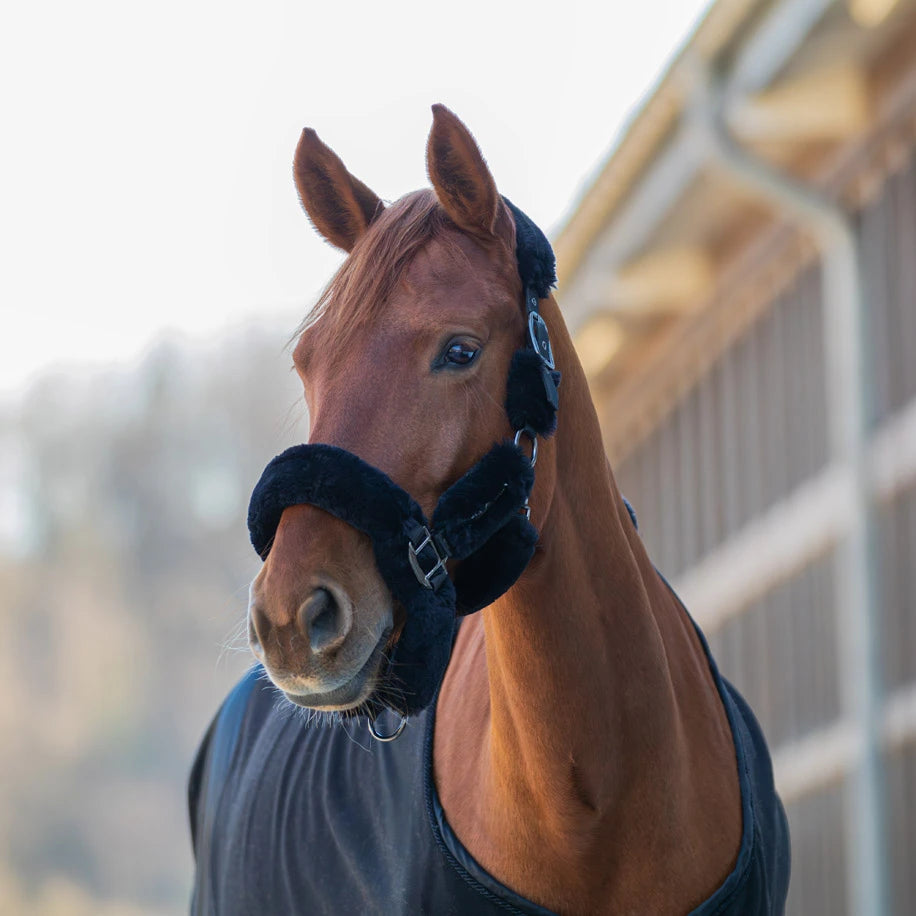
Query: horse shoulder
(461, 738)
(469, 792)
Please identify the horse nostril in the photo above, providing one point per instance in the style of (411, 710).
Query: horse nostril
(254, 637)
(323, 620)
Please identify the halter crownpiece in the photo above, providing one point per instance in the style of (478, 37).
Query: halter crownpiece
(481, 521)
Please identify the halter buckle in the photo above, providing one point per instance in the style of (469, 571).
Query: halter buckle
(422, 541)
(539, 338)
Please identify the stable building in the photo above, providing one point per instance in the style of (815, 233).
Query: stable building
(740, 279)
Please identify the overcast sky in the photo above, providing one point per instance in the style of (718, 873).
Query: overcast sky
(145, 181)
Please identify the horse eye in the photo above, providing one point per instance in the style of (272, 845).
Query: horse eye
(460, 354)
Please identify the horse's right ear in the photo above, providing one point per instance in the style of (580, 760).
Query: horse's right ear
(340, 206)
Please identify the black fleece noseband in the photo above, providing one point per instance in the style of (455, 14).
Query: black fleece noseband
(481, 521)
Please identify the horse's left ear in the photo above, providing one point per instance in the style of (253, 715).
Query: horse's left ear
(460, 176)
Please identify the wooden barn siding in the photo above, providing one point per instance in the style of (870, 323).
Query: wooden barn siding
(896, 536)
(819, 864)
(900, 799)
(886, 230)
(749, 432)
(781, 653)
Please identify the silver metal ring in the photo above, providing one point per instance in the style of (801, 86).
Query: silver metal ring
(534, 443)
(386, 738)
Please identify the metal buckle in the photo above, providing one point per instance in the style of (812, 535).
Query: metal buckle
(539, 337)
(437, 574)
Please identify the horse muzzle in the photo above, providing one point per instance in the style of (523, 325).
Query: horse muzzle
(479, 521)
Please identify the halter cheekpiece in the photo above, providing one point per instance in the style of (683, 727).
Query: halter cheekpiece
(482, 520)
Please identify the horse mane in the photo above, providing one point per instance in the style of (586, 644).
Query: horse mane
(360, 289)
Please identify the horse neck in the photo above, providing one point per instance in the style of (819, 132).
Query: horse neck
(581, 744)
(579, 630)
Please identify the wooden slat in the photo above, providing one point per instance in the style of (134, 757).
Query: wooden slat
(903, 304)
(710, 532)
(872, 235)
(818, 856)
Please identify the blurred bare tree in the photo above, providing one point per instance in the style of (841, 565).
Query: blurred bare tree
(124, 567)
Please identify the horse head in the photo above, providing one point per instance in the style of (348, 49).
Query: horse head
(404, 363)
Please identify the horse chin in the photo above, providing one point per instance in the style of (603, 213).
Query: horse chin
(353, 693)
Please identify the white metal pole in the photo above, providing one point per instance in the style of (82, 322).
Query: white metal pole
(848, 386)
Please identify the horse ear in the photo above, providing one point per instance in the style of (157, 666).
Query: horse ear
(459, 175)
(340, 206)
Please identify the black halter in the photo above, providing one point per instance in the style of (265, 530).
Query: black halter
(482, 520)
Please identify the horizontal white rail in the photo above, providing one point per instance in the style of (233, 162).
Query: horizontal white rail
(825, 756)
(796, 530)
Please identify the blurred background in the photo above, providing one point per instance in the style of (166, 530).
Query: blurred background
(731, 190)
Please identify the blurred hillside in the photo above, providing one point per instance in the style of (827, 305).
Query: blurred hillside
(124, 568)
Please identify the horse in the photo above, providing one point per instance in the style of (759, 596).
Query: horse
(576, 749)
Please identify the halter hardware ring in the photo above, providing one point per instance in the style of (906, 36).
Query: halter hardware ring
(534, 442)
(384, 739)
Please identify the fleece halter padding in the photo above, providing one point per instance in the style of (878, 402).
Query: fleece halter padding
(479, 527)
(483, 503)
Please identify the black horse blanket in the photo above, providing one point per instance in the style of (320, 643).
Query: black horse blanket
(290, 816)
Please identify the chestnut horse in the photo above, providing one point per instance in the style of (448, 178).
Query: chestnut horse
(586, 756)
